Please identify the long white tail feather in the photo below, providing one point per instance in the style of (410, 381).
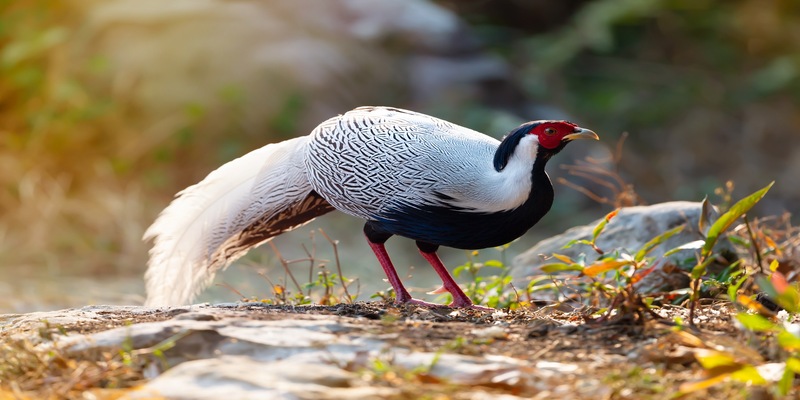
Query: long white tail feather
(212, 223)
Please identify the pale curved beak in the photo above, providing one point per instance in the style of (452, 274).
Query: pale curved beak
(581, 133)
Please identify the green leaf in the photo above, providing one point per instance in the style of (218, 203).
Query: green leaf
(697, 244)
(732, 289)
(788, 341)
(649, 246)
(756, 322)
(558, 267)
(494, 264)
(749, 374)
(780, 291)
(793, 363)
(602, 225)
(710, 359)
(703, 223)
(785, 384)
(789, 299)
(737, 241)
(545, 286)
(700, 269)
(577, 241)
(726, 220)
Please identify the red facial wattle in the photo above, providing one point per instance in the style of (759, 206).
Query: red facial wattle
(551, 133)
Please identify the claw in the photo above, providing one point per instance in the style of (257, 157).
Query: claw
(440, 290)
(454, 304)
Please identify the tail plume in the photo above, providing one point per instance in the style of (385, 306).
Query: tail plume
(241, 205)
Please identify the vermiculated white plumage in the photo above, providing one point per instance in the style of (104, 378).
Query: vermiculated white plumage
(373, 158)
(405, 173)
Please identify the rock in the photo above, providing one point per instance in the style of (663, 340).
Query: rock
(22, 325)
(253, 352)
(629, 230)
(241, 377)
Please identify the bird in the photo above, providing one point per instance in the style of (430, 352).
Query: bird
(405, 173)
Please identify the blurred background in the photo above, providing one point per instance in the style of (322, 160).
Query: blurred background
(109, 107)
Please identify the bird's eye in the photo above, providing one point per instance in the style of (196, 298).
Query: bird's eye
(550, 131)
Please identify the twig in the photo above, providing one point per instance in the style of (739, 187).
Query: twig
(232, 289)
(617, 157)
(693, 302)
(282, 295)
(311, 260)
(285, 265)
(753, 240)
(516, 294)
(597, 180)
(334, 244)
(587, 192)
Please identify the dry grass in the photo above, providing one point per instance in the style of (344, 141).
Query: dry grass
(28, 371)
(76, 178)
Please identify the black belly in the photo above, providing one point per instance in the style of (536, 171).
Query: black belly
(462, 229)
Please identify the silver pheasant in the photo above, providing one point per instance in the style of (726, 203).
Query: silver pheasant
(405, 173)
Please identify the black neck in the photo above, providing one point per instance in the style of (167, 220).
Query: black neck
(464, 229)
(509, 145)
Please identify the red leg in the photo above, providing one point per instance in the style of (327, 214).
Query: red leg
(401, 294)
(460, 299)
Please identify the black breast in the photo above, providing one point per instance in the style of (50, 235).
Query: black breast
(463, 229)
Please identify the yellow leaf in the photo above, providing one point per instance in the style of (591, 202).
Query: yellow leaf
(611, 215)
(690, 387)
(563, 258)
(709, 359)
(604, 266)
(755, 306)
(689, 339)
(772, 245)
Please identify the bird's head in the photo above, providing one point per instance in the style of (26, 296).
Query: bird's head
(545, 138)
(554, 134)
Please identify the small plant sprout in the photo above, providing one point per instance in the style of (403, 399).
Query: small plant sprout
(625, 268)
(493, 289)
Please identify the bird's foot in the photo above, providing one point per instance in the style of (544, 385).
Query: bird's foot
(461, 303)
(467, 303)
(418, 302)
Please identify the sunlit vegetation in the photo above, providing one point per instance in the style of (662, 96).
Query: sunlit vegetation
(706, 91)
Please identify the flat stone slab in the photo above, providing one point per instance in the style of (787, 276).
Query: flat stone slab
(246, 351)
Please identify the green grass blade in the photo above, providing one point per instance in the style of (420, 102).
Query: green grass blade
(602, 225)
(700, 269)
(558, 267)
(694, 245)
(756, 322)
(653, 243)
(726, 220)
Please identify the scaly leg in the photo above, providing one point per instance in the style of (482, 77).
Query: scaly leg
(460, 299)
(376, 241)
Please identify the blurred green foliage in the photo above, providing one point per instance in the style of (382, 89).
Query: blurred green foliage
(708, 89)
(62, 152)
(649, 61)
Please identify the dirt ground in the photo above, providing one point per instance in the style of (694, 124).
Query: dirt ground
(649, 360)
